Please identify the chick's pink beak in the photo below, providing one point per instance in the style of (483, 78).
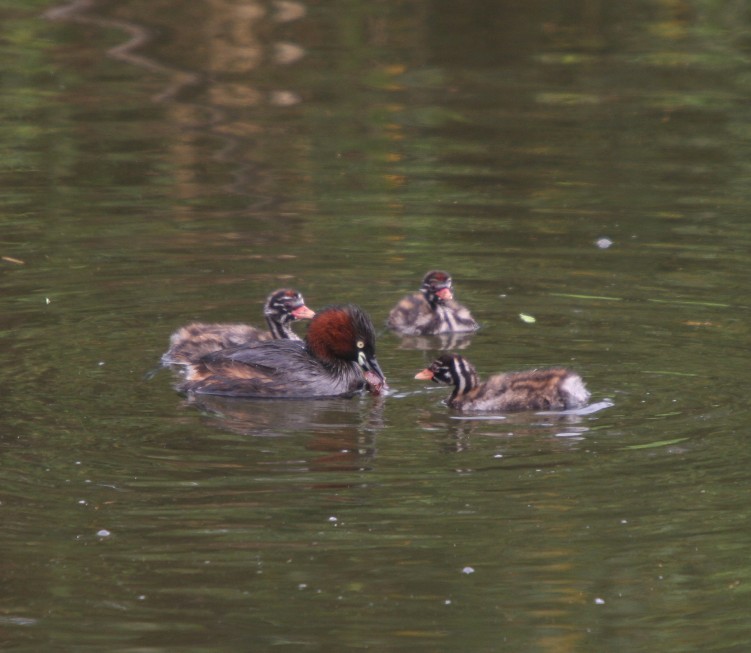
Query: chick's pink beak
(303, 313)
(445, 294)
(425, 375)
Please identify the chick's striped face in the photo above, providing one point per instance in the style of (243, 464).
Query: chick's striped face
(286, 305)
(286, 300)
(438, 280)
(444, 369)
(437, 287)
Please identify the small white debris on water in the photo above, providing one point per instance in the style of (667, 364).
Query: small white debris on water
(47, 300)
(604, 243)
(599, 601)
(333, 519)
(468, 570)
(103, 533)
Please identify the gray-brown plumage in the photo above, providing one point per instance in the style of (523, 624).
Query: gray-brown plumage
(190, 343)
(557, 388)
(431, 311)
(337, 359)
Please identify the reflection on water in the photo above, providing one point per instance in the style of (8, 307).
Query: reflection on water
(173, 160)
(465, 431)
(212, 90)
(345, 429)
(440, 342)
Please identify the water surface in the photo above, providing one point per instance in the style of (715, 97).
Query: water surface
(582, 163)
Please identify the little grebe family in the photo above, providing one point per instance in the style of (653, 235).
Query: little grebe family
(337, 357)
(190, 343)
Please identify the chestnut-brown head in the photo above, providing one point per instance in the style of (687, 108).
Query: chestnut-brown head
(437, 287)
(344, 333)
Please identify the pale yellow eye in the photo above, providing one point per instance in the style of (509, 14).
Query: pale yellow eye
(361, 344)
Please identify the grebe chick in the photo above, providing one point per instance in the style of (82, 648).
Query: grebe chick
(431, 311)
(336, 359)
(549, 389)
(190, 343)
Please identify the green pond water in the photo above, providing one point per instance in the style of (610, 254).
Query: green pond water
(584, 163)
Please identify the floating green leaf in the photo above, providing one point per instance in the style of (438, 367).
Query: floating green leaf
(686, 302)
(575, 296)
(653, 445)
(527, 318)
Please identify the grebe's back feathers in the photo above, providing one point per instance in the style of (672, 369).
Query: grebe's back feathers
(278, 368)
(556, 388)
(336, 359)
(189, 343)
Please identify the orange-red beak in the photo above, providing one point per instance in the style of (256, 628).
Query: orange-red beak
(425, 375)
(303, 313)
(445, 294)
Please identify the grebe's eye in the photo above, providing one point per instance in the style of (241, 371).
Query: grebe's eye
(361, 344)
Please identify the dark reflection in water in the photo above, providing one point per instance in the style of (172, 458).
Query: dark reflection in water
(344, 431)
(580, 162)
(442, 342)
